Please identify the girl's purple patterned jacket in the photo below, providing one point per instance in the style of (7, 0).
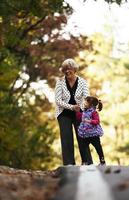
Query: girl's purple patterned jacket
(90, 129)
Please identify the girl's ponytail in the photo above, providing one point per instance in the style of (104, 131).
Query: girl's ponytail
(100, 105)
(93, 101)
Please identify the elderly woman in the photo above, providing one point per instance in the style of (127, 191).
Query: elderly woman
(69, 93)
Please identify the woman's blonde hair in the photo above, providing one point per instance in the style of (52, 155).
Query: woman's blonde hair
(69, 62)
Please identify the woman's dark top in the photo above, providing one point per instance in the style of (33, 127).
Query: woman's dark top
(72, 90)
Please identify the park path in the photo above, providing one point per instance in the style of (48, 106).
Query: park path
(65, 183)
(93, 183)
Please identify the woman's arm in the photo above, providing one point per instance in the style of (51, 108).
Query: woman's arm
(58, 96)
(85, 89)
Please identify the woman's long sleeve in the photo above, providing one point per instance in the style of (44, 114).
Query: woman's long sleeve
(85, 89)
(58, 96)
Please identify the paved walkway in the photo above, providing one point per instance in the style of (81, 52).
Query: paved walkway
(93, 183)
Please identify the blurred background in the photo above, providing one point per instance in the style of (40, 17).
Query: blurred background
(36, 36)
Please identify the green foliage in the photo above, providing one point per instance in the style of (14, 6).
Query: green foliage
(24, 141)
(36, 7)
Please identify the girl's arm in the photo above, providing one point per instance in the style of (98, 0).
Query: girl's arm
(95, 118)
(79, 116)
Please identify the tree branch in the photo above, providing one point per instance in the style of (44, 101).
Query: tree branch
(31, 27)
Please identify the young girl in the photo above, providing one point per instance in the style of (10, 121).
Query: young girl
(90, 128)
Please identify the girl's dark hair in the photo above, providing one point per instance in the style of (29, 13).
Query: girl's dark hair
(93, 101)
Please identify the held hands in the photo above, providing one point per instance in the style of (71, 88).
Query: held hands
(87, 120)
(76, 108)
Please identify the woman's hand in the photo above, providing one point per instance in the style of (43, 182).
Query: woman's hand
(76, 108)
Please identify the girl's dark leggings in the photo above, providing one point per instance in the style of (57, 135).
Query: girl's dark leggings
(95, 141)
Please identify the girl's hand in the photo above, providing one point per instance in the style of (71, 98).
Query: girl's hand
(87, 121)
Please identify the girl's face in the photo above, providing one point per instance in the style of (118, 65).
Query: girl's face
(86, 104)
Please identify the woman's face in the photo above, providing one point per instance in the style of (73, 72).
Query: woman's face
(68, 71)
